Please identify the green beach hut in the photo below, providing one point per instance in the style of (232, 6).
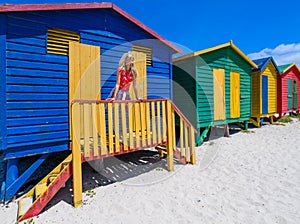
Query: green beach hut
(213, 87)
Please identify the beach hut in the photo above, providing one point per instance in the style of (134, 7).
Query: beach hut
(288, 87)
(264, 90)
(57, 66)
(213, 86)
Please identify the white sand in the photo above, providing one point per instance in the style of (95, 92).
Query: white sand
(247, 178)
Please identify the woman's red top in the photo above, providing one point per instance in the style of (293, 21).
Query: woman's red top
(125, 79)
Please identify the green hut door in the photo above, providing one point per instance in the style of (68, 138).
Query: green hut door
(295, 93)
(219, 94)
(234, 94)
(290, 94)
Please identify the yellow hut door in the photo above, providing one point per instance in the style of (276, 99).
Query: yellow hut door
(219, 94)
(234, 94)
(141, 81)
(84, 76)
(141, 85)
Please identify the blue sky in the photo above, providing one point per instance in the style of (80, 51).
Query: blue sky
(259, 28)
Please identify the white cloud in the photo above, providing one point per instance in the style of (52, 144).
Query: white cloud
(282, 54)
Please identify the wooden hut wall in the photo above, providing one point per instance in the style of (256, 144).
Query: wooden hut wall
(2, 82)
(230, 61)
(184, 88)
(293, 74)
(271, 72)
(256, 94)
(37, 82)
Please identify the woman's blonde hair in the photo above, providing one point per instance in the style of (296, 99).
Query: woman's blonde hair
(122, 61)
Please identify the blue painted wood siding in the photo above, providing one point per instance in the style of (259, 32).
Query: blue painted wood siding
(2, 83)
(37, 82)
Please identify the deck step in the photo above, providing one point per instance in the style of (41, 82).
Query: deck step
(163, 152)
(33, 202)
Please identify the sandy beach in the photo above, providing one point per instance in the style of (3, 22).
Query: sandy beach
(247, 178)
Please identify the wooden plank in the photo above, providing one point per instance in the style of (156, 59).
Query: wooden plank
(148, 123)
(94, 129)
(74, 77)
(76, 164)
(182, 153)
(158, 122)
(164, 122)
(170, 153)
(116, 127)
(174, 132)
(143, 124)
(186, 141)
(192, 146)
(102, 129)
(110, 128)
(130, 126)
(124, 129)
(137, 124)
(154, 140)
(86, 130)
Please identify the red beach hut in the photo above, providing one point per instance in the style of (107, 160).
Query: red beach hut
(288, 86)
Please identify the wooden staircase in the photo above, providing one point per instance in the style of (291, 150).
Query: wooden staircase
(33, 202)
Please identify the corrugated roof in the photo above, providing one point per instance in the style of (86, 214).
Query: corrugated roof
(263, 62)
(78, 6)
(229, 44)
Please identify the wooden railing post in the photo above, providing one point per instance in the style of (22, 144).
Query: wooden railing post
(110, 128)
(124, 128)
(192, 146)
(102, 128)
(170, 144)
(76, 161)
(148, 124)
(116, 127)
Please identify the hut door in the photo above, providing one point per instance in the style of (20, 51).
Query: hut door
(295, 95)
(290, 94)
(264, 94)
(141, 81)
(84, 74)
(141, 84)
(219, 94)
(234, 94)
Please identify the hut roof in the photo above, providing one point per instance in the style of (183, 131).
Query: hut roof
(284, 68)
(263, 62)
(78, 6)
(229, 44)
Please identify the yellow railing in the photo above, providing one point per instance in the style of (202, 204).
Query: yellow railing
(102, 128)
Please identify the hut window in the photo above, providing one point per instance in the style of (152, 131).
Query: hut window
(58, 41)
(146, 50)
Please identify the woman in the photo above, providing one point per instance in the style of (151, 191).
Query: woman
(126, 74)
